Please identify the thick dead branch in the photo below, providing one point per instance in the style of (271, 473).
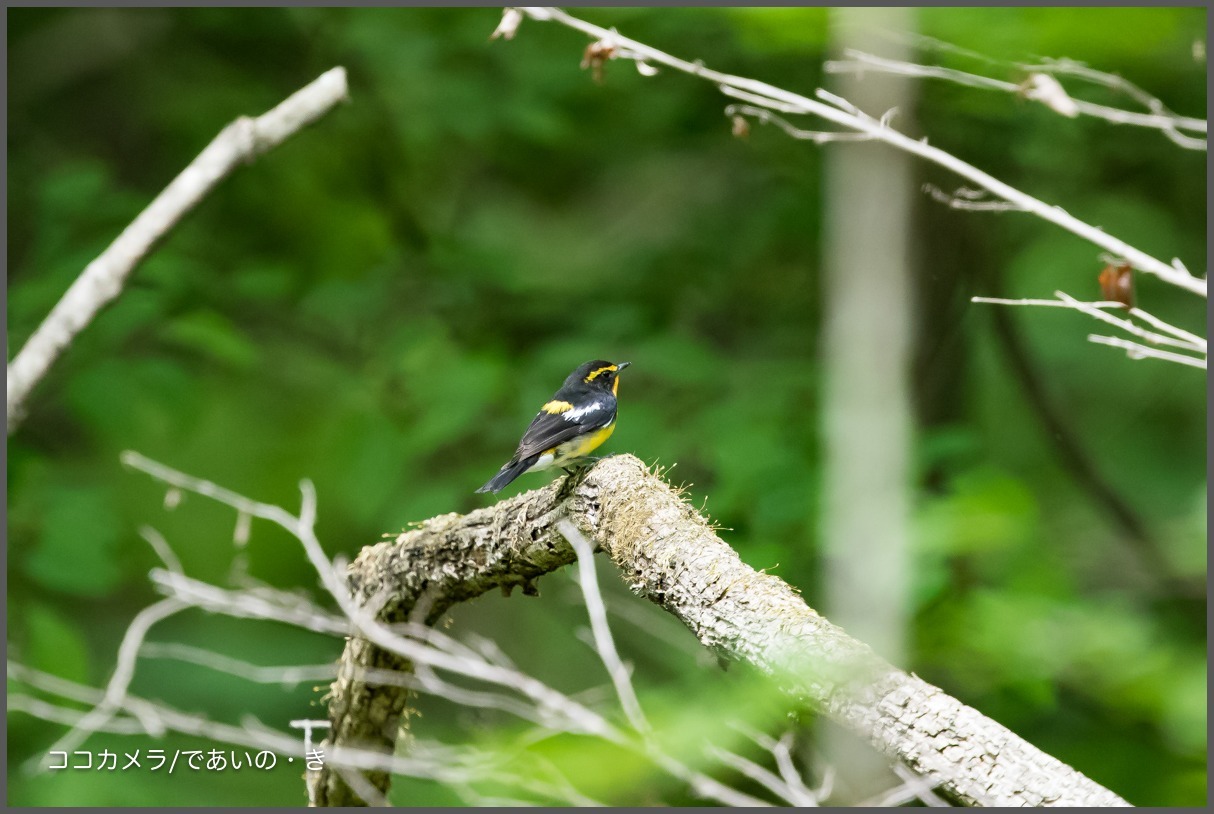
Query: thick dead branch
(670, 554)
(101, 281)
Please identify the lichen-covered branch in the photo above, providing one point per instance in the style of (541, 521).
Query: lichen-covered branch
(668, 553)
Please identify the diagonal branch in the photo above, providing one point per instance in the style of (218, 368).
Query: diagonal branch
(836, 110)
(101, 281)
(670, 554)
(1159, 118)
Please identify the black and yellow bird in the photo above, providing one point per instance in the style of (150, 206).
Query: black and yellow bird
(578, 418)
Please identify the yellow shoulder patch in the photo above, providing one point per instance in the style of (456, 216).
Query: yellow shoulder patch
(557, 407)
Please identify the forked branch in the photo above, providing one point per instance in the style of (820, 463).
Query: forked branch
(668, 553)
(839, 112)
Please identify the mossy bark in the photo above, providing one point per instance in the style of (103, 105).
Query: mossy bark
(668, 553)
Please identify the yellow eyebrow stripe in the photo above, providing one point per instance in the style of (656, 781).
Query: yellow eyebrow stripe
(594, 373)
(557, 407)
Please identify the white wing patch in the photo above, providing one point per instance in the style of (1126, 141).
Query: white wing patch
(577, 413)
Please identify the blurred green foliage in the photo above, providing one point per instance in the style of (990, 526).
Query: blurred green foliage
(381, 303)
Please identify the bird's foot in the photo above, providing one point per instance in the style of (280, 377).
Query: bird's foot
(573, 479)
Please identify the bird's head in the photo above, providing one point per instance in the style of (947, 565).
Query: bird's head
(598, 374)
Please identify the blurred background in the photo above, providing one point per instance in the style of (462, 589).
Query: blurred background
(381, 303)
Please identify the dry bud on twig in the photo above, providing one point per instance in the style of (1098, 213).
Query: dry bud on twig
(741, 127)
(1117, 284)
(595, 55)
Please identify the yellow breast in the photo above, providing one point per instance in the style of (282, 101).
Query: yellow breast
(581, 446)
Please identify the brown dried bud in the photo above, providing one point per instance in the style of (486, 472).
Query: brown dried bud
(595, 55)
(1117, 284)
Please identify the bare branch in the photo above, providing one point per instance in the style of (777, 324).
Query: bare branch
(969, 200)
(604, 644)
(1193, 339)
(276, 606)
(69, 717)
(1126, 325)
(1135, 351)
(102, 280)
(124, 671)
(1179, 338)
(668, 552)
(910, 789)
(443, 764)
(156, 540)
(1159, 118)
(1044, 303)
(755, 772)
(846, 115)
(767, 117)
(285, 676)
(799, 793)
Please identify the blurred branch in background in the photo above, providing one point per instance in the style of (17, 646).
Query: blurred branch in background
(667, 552)
(1040, 85)
(428, 650)
(102, 280)
(867, 431)
(760, 95)
(992, 195)
(832, 108)
(1116, 280)
(1165, 333)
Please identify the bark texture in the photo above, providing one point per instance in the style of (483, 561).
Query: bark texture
(670, 554)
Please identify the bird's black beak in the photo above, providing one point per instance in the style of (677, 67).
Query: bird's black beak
(621, 365)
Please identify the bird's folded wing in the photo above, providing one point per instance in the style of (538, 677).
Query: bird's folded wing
(549, 430)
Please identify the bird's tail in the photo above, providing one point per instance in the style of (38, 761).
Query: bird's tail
(506, 474)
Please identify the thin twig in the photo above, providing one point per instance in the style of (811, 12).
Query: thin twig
(433, 647)
(784, 101)
(287, 676)
(440, 763)
(1179, 338)
(1135, 351)
(156, 540)
(755, 772)
(1171, 122)
(124, 671)
(1183, 339)
(603, 642)
(1179, 333)
(801, 795)
(816, 136)
(1158, 118)
(1044, 303)
(1130, 327)
(102, 279)
(965, 200)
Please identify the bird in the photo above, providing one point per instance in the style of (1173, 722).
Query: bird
(577, 419)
